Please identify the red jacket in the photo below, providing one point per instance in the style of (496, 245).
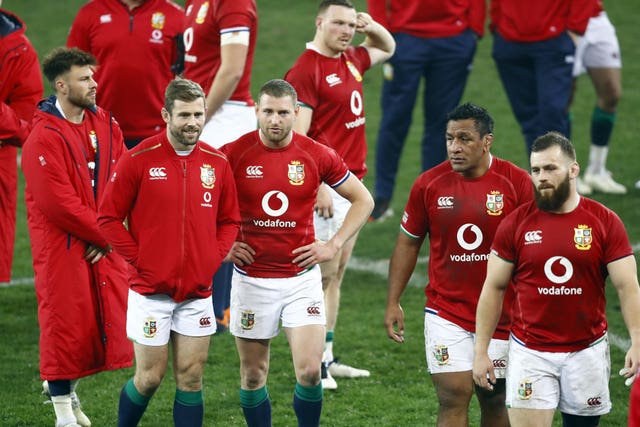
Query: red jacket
(531, 21)
(429, 18)
(20, 80)
(135, 50)
(182, 216)
(81, 307)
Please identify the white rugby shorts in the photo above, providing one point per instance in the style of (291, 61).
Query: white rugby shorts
(326, 228)
(598, 47)
(259, 304)
(575, 383)
(449, 348)
(229, 123)
(151, 318)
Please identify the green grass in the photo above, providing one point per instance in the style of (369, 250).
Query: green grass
(399, 392)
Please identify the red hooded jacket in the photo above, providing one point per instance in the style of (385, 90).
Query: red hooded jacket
(81, 306)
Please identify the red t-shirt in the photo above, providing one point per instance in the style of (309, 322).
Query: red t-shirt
(277, 191)
(560, 270)
(461, 215)
(205, 21)
(332, 87)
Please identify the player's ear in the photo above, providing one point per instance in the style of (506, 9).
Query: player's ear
(165, 115)
(574, 170)
(487, 141)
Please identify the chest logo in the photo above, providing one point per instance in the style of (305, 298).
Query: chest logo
(158, 20)
(583, 237)
(354, 71)
(207, 176)
(495, 203)
(296, 173)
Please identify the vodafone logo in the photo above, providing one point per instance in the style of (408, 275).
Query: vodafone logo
(469, 246)
(445, 202)
(284, 203)
(565, 263)
(157, 173)
(532, 237)
(254, 171)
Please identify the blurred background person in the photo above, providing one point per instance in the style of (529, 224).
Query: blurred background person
(20, 90)
(138, 46)
(435, 41)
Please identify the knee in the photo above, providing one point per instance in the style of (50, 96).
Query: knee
(147, 382)
(454, 395)
(309, 375)
(189, 377)
(253, 377)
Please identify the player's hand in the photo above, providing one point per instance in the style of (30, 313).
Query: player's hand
(631, 365)
(394, 322)
(363, 22)
(94, 253)
(483, 373)
(324, 203)
(241, 254)
(315, 253)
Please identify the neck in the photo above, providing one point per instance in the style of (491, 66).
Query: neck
(570, 204)
(323, 49)
(71, 112)
(132, 3)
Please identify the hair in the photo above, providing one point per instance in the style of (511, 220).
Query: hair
(551, 139)
(60, 60)
(481, 118)
(278, 88)
(182, 90)
(324, 5)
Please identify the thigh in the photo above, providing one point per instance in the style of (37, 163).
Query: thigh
(194, 318)
(256, 305)
(254, 362)
(533, 378)
(448, 347)
(307, 345)
(531, 417)
(602, 49)
(189, 358)
(149, 318)
(151, 361)
(304, 303)
(585, 392)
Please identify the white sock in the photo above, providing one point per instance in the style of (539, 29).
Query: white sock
(327, 355)
(598, 159)
(62, 407)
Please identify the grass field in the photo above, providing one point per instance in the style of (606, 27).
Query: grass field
(399, 392)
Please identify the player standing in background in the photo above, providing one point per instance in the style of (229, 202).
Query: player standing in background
(220, 39)
(179, 198)
(138, 46)
(556, 253)
(276, 276)
(20, 90)
(435, 42)
(328, 79)
(598, 54)
(459, 205)
(534, 48)
(80, 285)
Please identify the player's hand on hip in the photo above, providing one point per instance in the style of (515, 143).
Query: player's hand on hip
(94, 253)
(483, 373)
(241, 254)
(394, 322)
(312, 254)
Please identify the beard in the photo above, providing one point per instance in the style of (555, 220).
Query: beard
(553, 201)
(181, 138)
(82, 101)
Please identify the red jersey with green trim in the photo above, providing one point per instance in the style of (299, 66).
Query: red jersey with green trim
(460, 216)
(277, 191)
(560, 270)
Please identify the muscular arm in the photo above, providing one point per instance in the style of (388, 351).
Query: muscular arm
(379, 42)
(403, 262)
(624, 277)
(488, 313)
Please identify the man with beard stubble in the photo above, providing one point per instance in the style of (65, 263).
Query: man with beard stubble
(558, 252)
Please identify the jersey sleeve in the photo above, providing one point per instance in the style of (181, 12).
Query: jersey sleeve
(361, 56)
(333, 170)
(302, 78)
(79, 33)
(617, 243)
(504, 241)
(415, 219)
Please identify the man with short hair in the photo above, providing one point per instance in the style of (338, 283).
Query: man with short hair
(458, 204)
(80, 284)
(276, 275)
(556, 254)
(179, 198)
(328, 79)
